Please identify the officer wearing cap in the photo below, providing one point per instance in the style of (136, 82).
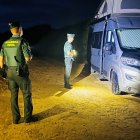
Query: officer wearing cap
(69, 54)
(16, 54)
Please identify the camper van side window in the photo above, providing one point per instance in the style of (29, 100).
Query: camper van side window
(96, 40)
(129, 4)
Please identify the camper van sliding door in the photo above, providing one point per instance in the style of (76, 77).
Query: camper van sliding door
(108, 56)
(96, 46)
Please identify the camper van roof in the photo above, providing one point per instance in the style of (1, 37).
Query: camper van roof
(117, 6)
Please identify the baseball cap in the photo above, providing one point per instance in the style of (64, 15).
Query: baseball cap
(14, 24)
(70, 35)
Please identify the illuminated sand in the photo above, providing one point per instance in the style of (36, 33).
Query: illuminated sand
(89, 111)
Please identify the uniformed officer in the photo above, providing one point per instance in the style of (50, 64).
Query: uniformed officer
(16, 54)
(69, 54)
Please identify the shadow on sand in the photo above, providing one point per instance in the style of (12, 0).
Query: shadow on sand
(51, 112)
(84, 72)
(46, 114)
(135, 99)
(136, 95)
(79, 72)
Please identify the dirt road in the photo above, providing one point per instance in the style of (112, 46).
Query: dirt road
(89, 111)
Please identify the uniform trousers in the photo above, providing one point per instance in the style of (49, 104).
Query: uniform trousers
(68, 67)
(16, 82)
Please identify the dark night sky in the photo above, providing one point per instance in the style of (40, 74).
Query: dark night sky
(57, 13)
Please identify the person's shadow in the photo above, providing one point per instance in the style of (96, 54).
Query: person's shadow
(50, 112)
(46, 114)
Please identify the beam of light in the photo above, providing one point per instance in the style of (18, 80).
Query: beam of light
(88, 90)
(57, 93)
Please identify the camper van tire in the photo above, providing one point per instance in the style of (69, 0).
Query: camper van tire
(115, 84)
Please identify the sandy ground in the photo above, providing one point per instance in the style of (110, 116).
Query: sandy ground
(89, 111)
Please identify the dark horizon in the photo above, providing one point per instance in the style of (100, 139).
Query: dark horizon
(57, 14)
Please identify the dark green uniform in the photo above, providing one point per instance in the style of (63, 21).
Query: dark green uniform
(14, 52)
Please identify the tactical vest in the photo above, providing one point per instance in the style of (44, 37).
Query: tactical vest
(13, 52)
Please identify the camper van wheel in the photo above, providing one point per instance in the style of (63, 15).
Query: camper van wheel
(115, 84)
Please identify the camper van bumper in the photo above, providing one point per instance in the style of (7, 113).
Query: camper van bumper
(132, 88)
(131, 81)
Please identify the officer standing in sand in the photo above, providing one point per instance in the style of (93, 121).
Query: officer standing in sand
(69, 54)
(16, 54)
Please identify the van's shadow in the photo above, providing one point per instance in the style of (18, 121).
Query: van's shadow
(84, 73)
(136, 95)
(137, 99)
(50, 112)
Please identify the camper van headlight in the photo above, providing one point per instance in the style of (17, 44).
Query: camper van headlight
(130, 61)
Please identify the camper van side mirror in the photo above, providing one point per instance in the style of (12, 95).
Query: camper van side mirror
(108, 48)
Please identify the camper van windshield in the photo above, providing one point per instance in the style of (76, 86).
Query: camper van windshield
(129, 38)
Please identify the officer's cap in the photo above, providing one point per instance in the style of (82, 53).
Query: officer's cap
(70, 35)
(14, 24)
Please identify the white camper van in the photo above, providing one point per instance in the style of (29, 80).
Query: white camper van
(115, 44)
